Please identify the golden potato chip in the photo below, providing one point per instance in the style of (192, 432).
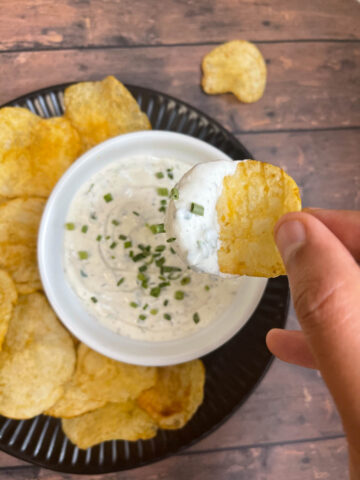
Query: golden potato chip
(251, 202)
(8, 297)
(114, 421)
(34, 152)
(176, 396)
(236, 67)
(37, 359)
(21, 262)
(105, 379)
(101, 110)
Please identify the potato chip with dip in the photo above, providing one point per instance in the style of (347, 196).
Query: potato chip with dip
(34, 152)
(114, 421)
(237, 67)
(8, 297)
(101, 110)
(178, 393)
(36, 360)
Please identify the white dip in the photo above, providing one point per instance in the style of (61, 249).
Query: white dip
(197, 231)
(129, 278)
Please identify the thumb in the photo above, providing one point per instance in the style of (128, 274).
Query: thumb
(325, 285)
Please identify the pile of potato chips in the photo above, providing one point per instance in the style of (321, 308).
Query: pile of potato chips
(43, 369)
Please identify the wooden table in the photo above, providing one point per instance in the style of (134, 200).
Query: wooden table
(308, 122)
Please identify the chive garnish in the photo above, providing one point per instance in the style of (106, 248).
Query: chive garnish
(143, 268)
(84, 228)
(138, 257)
(172, 250)
(167, 316)
(172, 239)
(185, 281)
(160, 248)
(207, 288)
(171, 269)
(159, 175)
(128, 244)
(113, 245)
(120, 281)
(170, 175)
(70, 226)
(98, 238)
(162, 209)
(163, 202)
(107, 237)
(196, 209)
(122, 237)
(145, 284)
(115, 222)
(164, 284)
(131, 253)
(83, 255)
(196, 318)
(93, 216)
(160, 262)
(113, 257)
(155, 292)
(142, 317)
(174, 193)
(145, 306)
(159, 228)
(108, 198)
(163, 192)
(154, 311)
(141, 277)
(133, 304)
(83, 274)
(136, 213)
(179, 295)
(166, 303)
(94, 299)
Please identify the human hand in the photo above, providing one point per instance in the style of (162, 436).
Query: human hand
(320, 249)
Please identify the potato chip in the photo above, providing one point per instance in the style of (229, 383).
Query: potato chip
(37, 359)
(21, 262)
(176, 396)
(101, 110)
(236, 67)
(8, 297)
(34, 152)
(105, 379)
(114, 421)
(251, 202)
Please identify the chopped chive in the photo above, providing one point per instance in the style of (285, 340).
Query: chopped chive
(154, 311)
(207, 288)
(143, 268)
(70, 226)
(172, 239)
(167, 316)
(150, 261)
(120, 281)
(196, 318)
(172, 250)
(133, 304)
(159, 175)
(138, 257)
(108, 198)
(83, 255)
(83, 274)
(122, 237)
(166, 303)
(174, 276)
(141, 277)
(145, 306)
(98, 238)
(163, 192)
(159, 228)
(107, 237)
(174, 193)
(164, 284)
(179, 295)
(160, 248)
(94, 299)
(185, 281)
(113, 245)
(131, 253)
(142, 317)
(90, 188)
(136, 213)
(128, 244)
(93, 216)
(113, 257)
(162, 209)
(161, 277)
(196, 209)
(115, 222)
(155, 292)
(160, 262)
(163, 202)
(84, 228)
(171, 269)
(145, 284)
(170, 175)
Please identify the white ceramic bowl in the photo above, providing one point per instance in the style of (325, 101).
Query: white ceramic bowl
(68, 306)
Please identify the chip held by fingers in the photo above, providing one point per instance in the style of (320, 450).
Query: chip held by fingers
(222, 216)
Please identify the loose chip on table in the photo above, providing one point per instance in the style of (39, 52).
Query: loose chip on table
(34, 152)
(237, 67)
(176, 396)
(8, 297)
(36, 360)
(224, 216)
(101, 110)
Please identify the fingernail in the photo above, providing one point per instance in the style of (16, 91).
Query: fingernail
(289, 237)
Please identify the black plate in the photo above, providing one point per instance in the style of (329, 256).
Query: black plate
(232, 371)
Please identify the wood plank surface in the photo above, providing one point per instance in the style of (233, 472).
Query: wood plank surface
(29, 24)
(303, 91)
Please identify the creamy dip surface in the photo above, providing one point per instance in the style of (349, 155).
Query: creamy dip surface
(123, 266)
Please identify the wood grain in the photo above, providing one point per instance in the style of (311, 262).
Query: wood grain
(29, 24)
(304, 90)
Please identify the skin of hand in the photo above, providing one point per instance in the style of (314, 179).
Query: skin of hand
(320, 250)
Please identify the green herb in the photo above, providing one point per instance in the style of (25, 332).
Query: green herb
(107, 237)
(196, 318)
(93, 216)
(159, 228)
(169, 173)
(179, 295)
(161, 277)
(142, 317)
(167, 316)
(172, 250)
(196, 209)
(162, 209)
(84, 228)
(174, 193)
(185, 281)
(133, 304)
(159, 175)
(145, 306)
(207, 288)
(160, 262)
(70, 226)
(122, 237)
(155, 292)
(164, 284)
(83, 255)
(113, 245)
(143, 268)
(171, 269)
(160, 248)
(131, 253)
(108, 198)
(138, 257)
(141, 277)
(172, 239)
(174, 276)
(128, 244)
(163, 202)
(145, 284)
(154, 311)
(94, 299)
(163, 192)
(166, 303)
(120, 281)
(98, 238)
(83, 274)
(136, 213)
(113, 257)
(90, 188)
(115, 222)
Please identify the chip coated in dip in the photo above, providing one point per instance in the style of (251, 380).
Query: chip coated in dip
(122, 265)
